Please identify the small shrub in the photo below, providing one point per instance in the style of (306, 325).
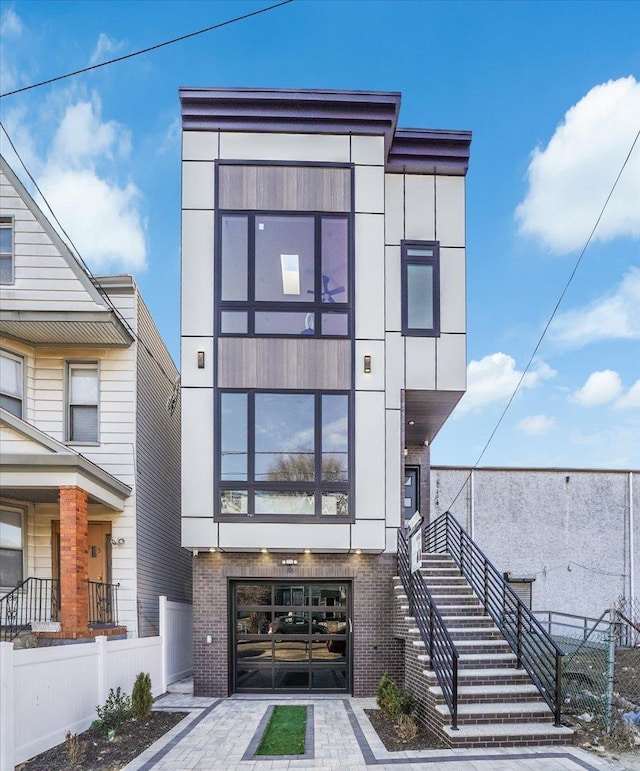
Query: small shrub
(76, 748)
(141, 697)
(406, 728)
(393, 699)
(115, 712)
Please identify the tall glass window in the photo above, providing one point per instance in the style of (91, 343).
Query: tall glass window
(284, 274)
(283, 455)
(421, 288)
(83, 399)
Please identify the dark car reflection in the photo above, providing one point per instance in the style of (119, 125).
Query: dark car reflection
(296, 625)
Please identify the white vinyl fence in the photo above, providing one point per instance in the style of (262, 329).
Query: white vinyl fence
(45, 692)
(176, 624)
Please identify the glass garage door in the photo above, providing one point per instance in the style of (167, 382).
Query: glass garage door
(290, 636)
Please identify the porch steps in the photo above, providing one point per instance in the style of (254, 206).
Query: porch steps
(498, 705)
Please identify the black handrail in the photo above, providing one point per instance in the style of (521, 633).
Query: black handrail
(535, 650)
(34, 599)
(443, 655)
(103, 603)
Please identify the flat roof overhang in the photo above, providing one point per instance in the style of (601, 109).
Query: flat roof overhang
(425, 412)
(375, 113)
(73, 327)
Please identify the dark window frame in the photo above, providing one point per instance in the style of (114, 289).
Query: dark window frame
(251, 485)
(8, 223)
(407, 260)
(251, 306)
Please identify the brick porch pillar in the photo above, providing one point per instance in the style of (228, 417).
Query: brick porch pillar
(74, 563)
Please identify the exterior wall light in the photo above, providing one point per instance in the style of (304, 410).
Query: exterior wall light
(264, 551)
(212, 549)
(307, 551)
(367, 365)
(289, 562)
(358, 551)
(200, 359)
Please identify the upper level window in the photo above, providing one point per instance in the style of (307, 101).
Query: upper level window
(284, 274)
(11, 547)
(6, 250)
(421, 288)
(11, 383)
(82, 402)
(283, 455)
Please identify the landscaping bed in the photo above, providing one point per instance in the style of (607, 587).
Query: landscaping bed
(386, 730)
(98, 753)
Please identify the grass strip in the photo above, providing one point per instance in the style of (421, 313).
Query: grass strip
(285, 733)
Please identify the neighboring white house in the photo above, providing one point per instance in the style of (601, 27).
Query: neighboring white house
(569, 538)
(323, 347)
(89, 472)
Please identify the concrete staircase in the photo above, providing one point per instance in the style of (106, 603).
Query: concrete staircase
(498, 705)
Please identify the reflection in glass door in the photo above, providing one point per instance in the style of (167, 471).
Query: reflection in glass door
(290, 636)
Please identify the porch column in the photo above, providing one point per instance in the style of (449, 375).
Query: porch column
(74, 563)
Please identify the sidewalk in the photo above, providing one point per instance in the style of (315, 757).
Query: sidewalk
(223, 733)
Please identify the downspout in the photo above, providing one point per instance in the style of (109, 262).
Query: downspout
(632, 572)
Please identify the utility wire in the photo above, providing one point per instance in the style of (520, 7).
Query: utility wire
(76, 254)
(548, 324)
(147, 50)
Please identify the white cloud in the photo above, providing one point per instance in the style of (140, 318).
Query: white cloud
(77, 172)
(10, 24)
(105, 48)
(630, 400)
(601, 387)
(571, 177)
(616, 315)
(494, 378)
(536, 425)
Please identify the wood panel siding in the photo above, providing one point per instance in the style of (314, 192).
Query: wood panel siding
(163, 567)
(284, 363)
(284, 188)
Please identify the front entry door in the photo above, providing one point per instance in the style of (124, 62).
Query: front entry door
(411, 492)
(290, 636)
(99, 551)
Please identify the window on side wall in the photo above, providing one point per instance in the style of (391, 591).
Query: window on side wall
(11, 547)
(83, 389)
(283, 456)
(11, 383)
(6, 251)
(421, 288)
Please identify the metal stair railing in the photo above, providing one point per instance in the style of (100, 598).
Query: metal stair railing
(103, 603)
(443, 655)
(534, 648)
(34, 599)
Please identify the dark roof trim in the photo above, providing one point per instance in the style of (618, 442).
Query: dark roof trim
(429, 151)
(540, 469)
(409, 151)
(290, 111)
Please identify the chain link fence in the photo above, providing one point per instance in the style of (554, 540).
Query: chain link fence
(601, 667)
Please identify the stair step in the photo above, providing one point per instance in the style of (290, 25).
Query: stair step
(474, 633)
(482, 677)
(460, 622)
(450, 591)
(505, 712)
(492, 694)
(482, 645)
(478, 660)
(451, 609)
(507, 735)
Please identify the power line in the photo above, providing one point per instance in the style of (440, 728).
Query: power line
(548, 324)
(147, 50)
(92, 278)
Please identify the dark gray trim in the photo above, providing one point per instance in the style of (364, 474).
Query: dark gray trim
(539, 469)
(173, 743)
(430, 151)
(309, 738)
(284, 111)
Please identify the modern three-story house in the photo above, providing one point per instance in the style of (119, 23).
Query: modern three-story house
(323, 347)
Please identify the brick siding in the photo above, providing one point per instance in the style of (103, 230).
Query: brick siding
(375, 650)
(74, 562)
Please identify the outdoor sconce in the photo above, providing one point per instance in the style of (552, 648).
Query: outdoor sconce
(117, 542)
(200, 359)
(367, 365)
(289, 562)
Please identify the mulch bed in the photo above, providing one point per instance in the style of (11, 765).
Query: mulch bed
(100, 754)
(386, 730)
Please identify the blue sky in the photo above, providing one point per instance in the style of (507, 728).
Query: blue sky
(551, 91)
